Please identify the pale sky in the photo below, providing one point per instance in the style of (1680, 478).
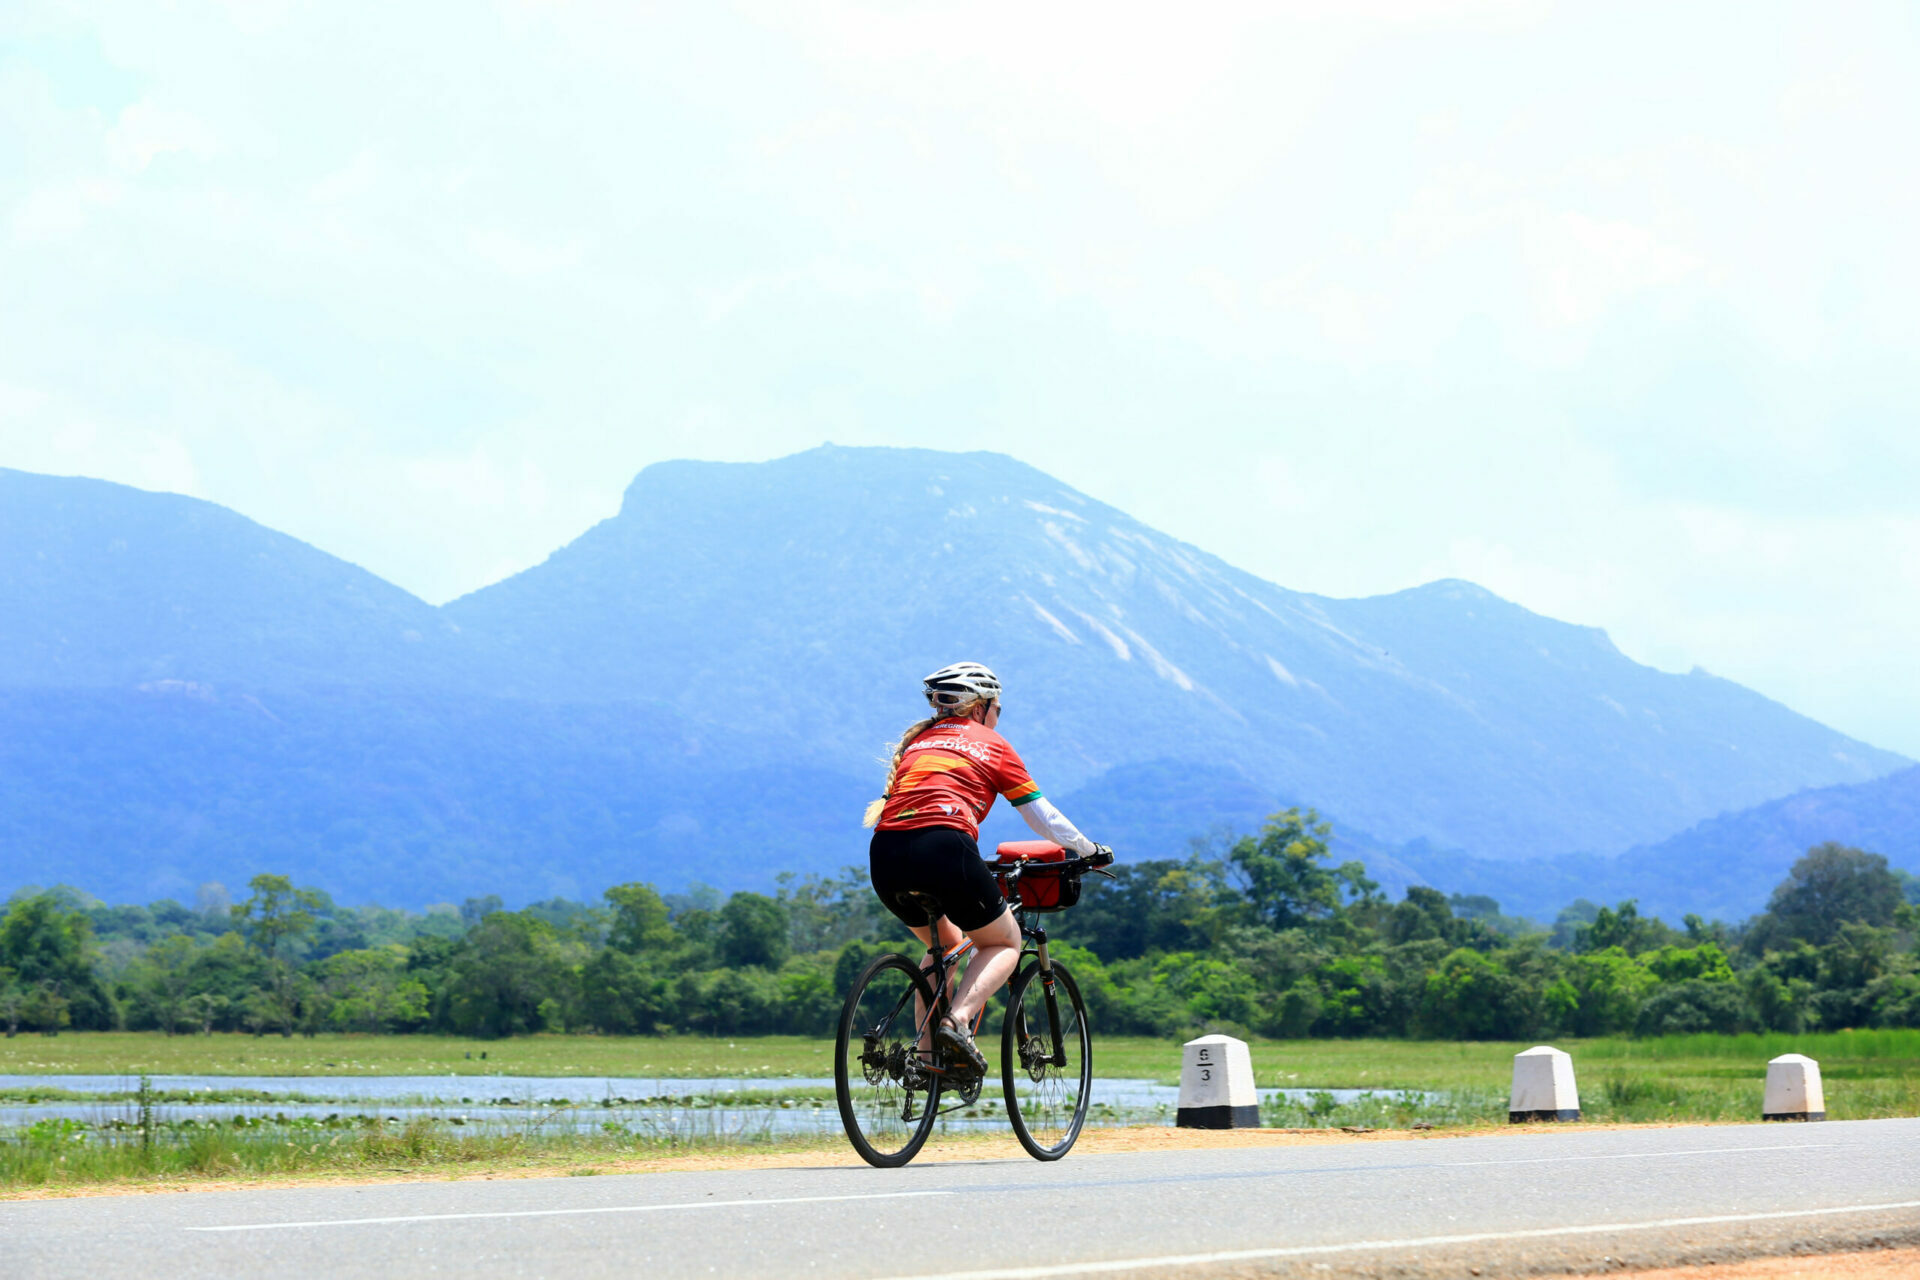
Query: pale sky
(1609, 308)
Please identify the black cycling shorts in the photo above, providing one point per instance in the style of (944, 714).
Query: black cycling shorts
(940, 862)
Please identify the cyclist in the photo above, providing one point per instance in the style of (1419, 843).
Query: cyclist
(945, 772)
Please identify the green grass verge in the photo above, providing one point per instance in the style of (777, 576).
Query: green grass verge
(57, 1155)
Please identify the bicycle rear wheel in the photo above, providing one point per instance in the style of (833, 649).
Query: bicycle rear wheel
(888, 1100)
(1046, 1099)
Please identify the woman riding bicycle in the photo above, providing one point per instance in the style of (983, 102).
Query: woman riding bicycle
(944, 775)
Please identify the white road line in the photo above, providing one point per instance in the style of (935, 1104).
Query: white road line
(1362, 1246)
(555, 1213)
(1639, 1155)
(1022, 1188)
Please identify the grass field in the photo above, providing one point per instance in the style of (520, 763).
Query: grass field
(134, 1052)
(53, 1156)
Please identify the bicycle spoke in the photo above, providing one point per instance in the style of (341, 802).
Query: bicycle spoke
(1046, 1100)
(887, 1098)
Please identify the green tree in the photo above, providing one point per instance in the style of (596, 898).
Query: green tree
(826, 912)
(1830, 886)
(1622, 927)
(50, 950)
(370, 990)
(1695, 1006)
(621, 995)
(167, 980)
(1422, 915)
(1153, 905)
(205, 1009)
(1572, 918)
(1473, 997)
(1704, 963)
(47, 1010)
(1608, 988)
(809, 1002)
(13, 1002)
(1284, 874)
(506, 967)
(1356, 996)
(1778, 1003)
(640, 922)
(753, 931)
(276, 913)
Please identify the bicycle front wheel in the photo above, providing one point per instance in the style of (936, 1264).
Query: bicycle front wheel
(888, 1099)
(1048, 1078)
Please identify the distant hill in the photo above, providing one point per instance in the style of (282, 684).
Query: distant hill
(1724, 868)
(699, 688)
(398, 799)
(102, 585)
(1727, 866)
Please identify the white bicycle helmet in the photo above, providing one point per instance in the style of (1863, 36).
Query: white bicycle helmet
(959, 685)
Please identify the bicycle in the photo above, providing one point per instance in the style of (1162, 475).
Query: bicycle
(890, 1076)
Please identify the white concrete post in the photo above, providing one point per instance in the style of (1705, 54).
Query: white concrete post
(1793, 1090)
(1216, 1085)
(1543, 1087)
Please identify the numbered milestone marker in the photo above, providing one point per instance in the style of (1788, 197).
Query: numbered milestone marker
(1793, 1089)
(1216, 1085)
(1543, 1087)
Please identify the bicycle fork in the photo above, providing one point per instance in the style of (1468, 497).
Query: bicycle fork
(1053, 1000)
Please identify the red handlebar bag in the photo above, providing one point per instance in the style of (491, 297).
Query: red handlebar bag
(1040, 889)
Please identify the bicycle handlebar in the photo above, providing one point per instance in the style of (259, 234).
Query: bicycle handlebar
(1074, 866)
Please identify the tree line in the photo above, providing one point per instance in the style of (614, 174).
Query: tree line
(1262, 935)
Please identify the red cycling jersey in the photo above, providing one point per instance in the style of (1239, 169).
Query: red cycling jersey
(949, 775)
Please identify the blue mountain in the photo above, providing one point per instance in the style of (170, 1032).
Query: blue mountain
(803, 597)
(700, 687)
(1724, 868)
(105, 586)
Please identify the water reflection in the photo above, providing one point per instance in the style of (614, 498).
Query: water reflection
(547, 1103)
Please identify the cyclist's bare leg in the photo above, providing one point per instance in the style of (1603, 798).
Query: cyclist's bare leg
(996, 952)
(950, 937)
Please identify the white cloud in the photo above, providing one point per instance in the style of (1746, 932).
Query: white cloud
(42, 431)
(480, 480)
(1352, 295)
(1585, 265)
(61, 210)
(147, 130)
(528, 259)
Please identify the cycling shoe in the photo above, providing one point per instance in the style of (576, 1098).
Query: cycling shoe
(959, 1041)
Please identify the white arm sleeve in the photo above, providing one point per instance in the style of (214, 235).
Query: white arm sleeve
(1050, 824)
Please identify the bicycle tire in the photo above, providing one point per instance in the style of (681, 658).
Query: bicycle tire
(872, 1077)
(1048, 1115)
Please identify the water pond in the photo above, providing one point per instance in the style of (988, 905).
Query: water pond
(560, 1103)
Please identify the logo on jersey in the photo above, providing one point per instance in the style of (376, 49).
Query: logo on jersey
(979, 752)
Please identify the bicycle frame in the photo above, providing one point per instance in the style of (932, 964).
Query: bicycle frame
(939, 967)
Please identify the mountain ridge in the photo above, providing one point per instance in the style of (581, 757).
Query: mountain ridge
(780, 613)
(1385, 708)
(91, 572)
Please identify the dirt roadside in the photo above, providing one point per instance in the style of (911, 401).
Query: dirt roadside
(1874, 1264)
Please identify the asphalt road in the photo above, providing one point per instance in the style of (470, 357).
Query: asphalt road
(1509, 1205)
